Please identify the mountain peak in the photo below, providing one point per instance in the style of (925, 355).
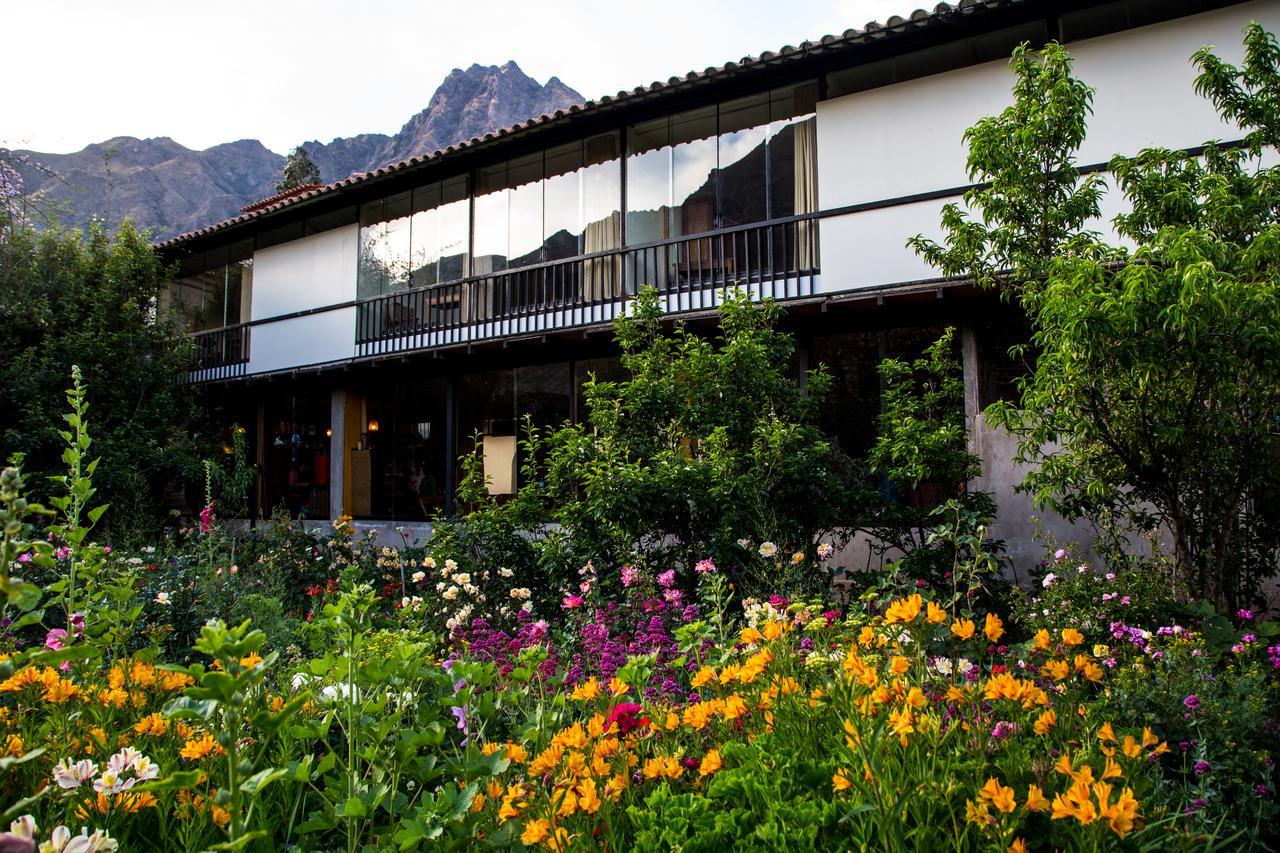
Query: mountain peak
(162, 184)
(472, 103)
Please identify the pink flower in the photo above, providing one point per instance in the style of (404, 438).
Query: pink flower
(55, 639)
(705, 567)
(667, 578)
(630, 575)
(24, 558)
(206, 518)
(825, 550)
(1060, 554)
(571, 602)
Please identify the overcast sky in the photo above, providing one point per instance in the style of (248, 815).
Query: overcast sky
(285, 71)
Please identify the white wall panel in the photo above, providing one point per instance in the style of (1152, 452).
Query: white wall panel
(868, 249)
(306, 273)
(907, 138)
(1144, 81)
(313, 339)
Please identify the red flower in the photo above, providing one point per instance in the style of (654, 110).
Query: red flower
(624, 715)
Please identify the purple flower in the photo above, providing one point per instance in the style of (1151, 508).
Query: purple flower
(1195, 806)
(1192, 702)
(1262, 790)
(1244, 615)
(24, 558)
(1202, 767)
(1003, 729)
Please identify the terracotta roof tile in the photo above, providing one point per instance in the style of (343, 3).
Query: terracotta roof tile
(279, 197)
(849, 39)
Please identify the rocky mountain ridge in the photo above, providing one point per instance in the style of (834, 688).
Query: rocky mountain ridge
(173, 189)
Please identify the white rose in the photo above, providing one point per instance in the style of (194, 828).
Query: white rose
(451, 565)
(451, 593)
(768, 549)
(419, 577)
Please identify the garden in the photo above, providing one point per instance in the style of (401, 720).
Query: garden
(651, 647)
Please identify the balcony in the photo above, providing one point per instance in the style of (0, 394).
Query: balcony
(222, 353)
(777, 259)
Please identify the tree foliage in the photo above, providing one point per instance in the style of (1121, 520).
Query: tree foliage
(299, 170)
(68, 298)
(708, 442)
(1155, 395)
(921, 454)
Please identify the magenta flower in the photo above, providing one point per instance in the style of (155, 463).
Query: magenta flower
(705, 567)
(667, 578)
(571, 602)
(630, 575)
(206, 518)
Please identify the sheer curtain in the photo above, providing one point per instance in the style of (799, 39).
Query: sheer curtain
(806, 192)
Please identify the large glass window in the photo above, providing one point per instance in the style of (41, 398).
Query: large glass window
(735, 163)
(492, 206)
(440, 232)
(385, 257)
(212, 290)
(296, 455)
(400, 459)
(562, 202)
(524, 181)
(693, 172)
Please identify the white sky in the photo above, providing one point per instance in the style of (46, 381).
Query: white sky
(287, 71)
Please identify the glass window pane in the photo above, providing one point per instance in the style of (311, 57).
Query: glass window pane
(693, 171)
(492, 213)
(397, 247)
(648, 181)
(602, 195)
(744, 128)
(455, 235)
(793, 101)
(562, 202)
(524, 177)
(425, 254)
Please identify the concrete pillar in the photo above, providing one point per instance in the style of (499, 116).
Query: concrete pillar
(337, 452)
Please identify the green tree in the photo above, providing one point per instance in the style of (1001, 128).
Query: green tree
(299, 170)
(68, 298)
(1155, 396)
(709, 449)
(922, 455)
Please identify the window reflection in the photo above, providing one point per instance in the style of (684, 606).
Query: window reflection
(212, 290)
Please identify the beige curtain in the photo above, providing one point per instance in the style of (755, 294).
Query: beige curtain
(600, 275)
(806, 189)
